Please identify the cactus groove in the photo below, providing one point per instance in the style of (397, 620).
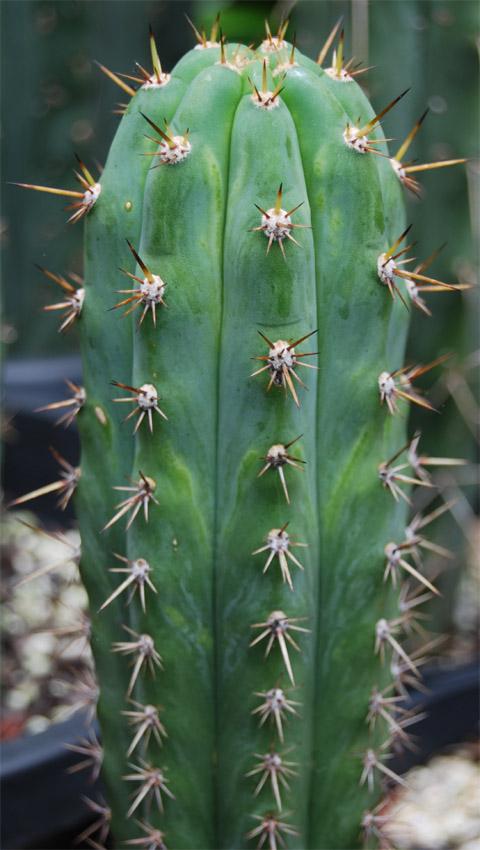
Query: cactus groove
(242, 312)
(193, 224)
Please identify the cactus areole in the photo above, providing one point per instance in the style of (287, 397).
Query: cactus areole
(241, 325)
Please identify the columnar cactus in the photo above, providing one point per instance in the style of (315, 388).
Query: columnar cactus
(242, 530)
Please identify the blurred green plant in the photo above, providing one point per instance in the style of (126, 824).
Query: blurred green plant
(48, 52)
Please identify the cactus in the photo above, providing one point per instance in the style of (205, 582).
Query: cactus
(244, 530)
(447, 32)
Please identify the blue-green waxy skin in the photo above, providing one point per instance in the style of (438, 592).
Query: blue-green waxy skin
(183, 243)
(193, 223)
(107, 339)
(263, 293)
(360, 211)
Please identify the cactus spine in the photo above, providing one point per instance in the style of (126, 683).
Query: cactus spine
(244, 201)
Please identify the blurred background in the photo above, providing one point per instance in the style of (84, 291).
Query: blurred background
(56, 102)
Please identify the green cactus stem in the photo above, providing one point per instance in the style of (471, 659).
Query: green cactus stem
(243, 307)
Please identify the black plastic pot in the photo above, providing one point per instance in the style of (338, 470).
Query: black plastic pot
(41, 802)
(452, 706)
(27, 460)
